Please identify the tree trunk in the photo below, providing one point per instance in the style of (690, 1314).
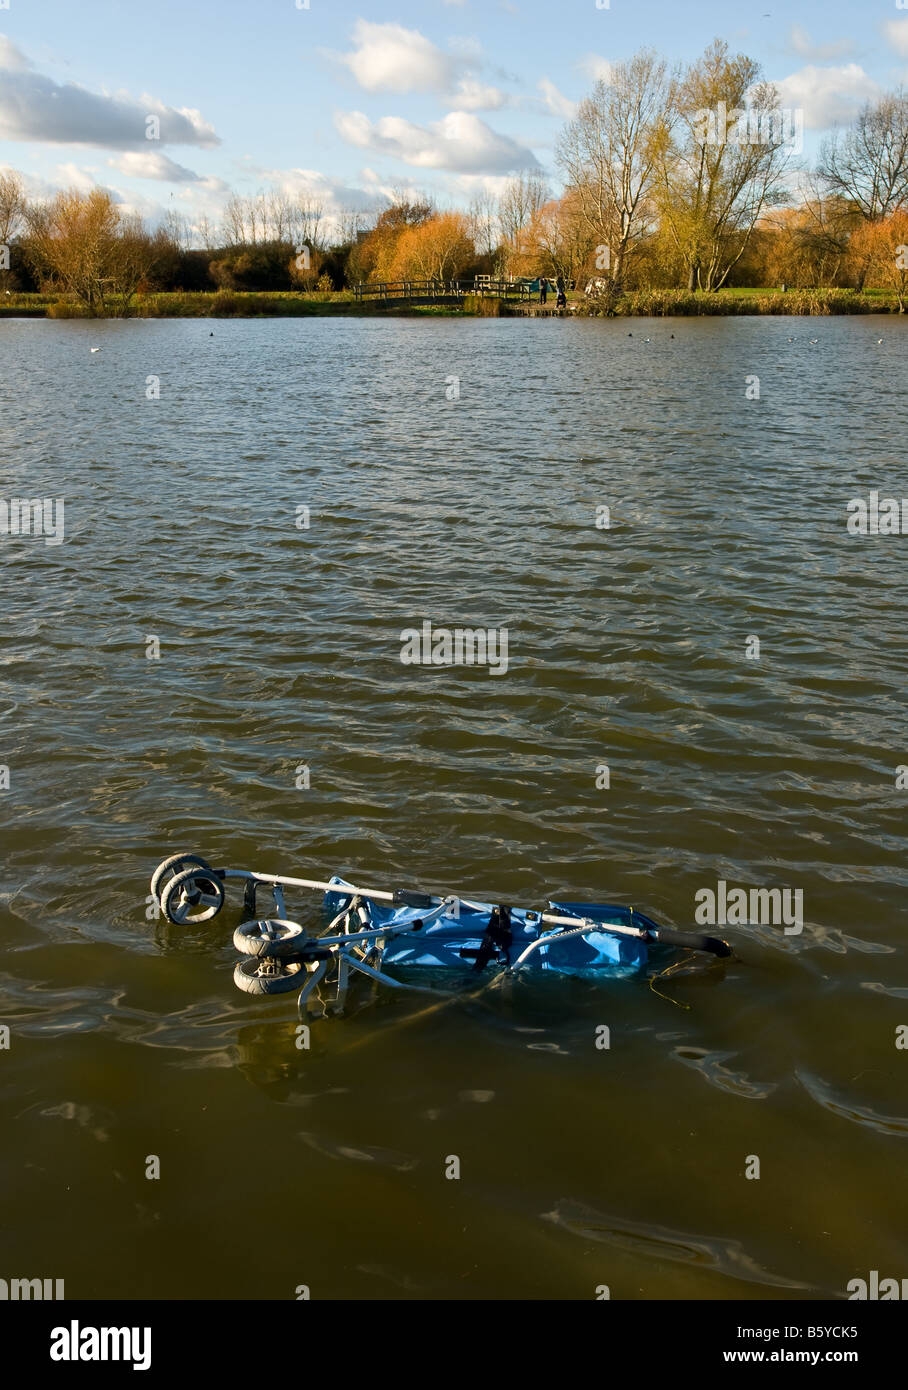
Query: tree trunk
(618, 271)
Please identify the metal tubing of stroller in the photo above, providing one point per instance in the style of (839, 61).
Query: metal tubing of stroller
(387, 979)
(388, 929)
(265, 879)
(551, 919)
(565, 936)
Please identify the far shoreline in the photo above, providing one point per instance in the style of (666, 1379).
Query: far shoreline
(790, 303)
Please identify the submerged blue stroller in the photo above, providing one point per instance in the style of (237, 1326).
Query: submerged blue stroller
(403, 938)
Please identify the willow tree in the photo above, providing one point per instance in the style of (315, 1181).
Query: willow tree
(373, 257)
(438, 249)
(87, 246)
(556, 241)
(880, 249)
(829, 221)
(724, 166)
(609, 154)
(805, 245)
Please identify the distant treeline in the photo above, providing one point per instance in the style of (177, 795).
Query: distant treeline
(684, 179)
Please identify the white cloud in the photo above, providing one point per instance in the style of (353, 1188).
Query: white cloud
(12, 59)
(557, 104)
(34, 107)
(466, 186)
(896, 31)
(390, 58)
(827, 96)
(460, 142)
(148, 164)
(472, 95)
(595, 68)
(36, 187)
(77, 176)
(800, 41)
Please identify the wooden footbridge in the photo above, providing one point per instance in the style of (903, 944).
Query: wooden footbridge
(396, 294)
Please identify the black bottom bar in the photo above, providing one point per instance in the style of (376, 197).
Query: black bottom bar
(233, 1338)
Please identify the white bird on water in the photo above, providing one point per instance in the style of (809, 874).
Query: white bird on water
(879, 340)
(94, 349)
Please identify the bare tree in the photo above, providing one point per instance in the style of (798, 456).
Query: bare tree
(206, 232)
(12, 206)
(177, 229)
(610, 150)
(520, 202)
(279, 216)
(235, 221)
(307, 223)
(257, 217)
(869, 164)
(485, 228)
(349, 222)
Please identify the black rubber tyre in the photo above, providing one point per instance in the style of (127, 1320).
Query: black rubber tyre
(206, 897)
(274, 937)
(169, 868)
(288, 977)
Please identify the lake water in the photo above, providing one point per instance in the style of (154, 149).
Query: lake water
(280, 646)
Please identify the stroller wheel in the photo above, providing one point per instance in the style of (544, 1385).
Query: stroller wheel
(191, 897)
(169, 868)
(272, 937)
(268, 976)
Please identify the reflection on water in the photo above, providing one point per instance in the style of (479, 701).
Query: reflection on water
(280, 647)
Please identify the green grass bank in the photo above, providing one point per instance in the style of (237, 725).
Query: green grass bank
(635, 304)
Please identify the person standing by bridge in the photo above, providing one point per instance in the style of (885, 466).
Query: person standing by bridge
(543, 289)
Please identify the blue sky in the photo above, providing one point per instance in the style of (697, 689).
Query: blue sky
(345, 101)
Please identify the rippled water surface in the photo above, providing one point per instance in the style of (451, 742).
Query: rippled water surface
(580, 1166)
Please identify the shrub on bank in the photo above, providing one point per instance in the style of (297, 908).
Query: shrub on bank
(483, 306)
(25, 304)
(67, 309)
(274, 305)
(667, 303)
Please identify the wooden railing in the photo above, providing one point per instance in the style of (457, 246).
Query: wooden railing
(428, 291)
